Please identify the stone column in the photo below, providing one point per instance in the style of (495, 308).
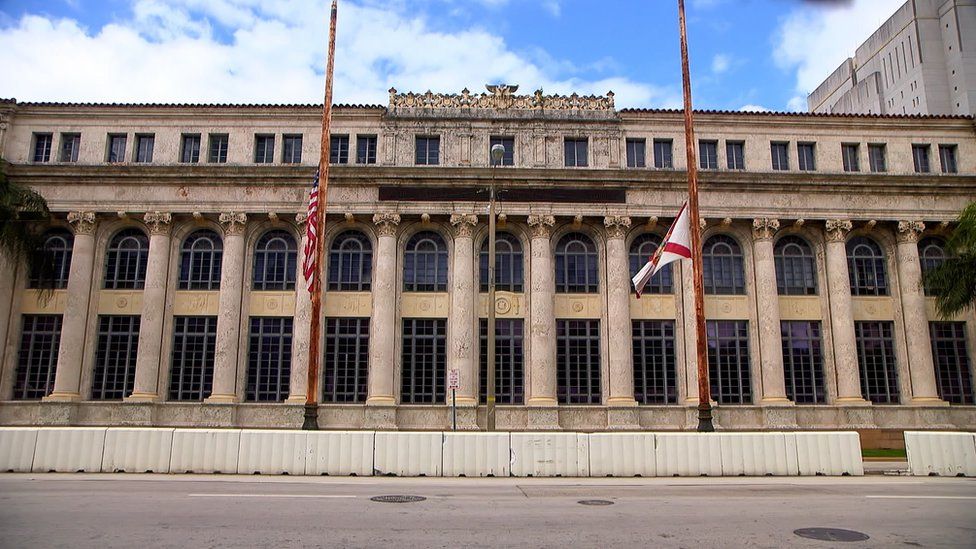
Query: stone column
(229, 309)
(842, 314)
(148, 359)
(382, 324)
(767, 303)
(920, 364)
(462, 355)
(542, 370)
(621, 382)
(298, 384)
(74, 325)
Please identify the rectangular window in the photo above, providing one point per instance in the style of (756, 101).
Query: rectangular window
(218, 148)
(803, 362)
(264, 149)
(735, 154)
(876, 359)
(42, 147)
(115, 357)
(708, 153)
(292, 149)
(578, 361)
(190, 149)
(365, 149)
(509, 360)
(576, 152)
(269, 359)
(806, 156)
(428, 150)
(344, 372)
(952, 374)
(850, 152)
(780, 153)
(70, 147)
(194, 344)
(424, 361)
(728, 361)
(947, 157)
(636, 153)
(144, 148)
(662, 154)
(38, 358)
(920, 155)
(116, 147)
(655, 379)
(339, 149)
(876, 158)
(508, 159)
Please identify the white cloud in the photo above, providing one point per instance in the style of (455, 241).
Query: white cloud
(721, 63)
(797, 103)
(553, 7)
(273, 51)
(753, 108)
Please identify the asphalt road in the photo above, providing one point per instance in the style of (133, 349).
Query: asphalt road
(104, 510)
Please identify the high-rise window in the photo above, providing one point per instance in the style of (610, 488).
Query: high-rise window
(931, 253)
(850, 153)
(126, 260)
(803, 361)
(423, 361)
(508, 159)
(876, 358)
(264, 149)
(425, 263)
(655, 379)
(952, 375)
(53, 259)
(218, 148)
(577, 270)
(728, 361)
(269, 359)
(365, 149)
(876, 158)
(509, 264)
(780, 153)
(578, 361)
(662, 154)
(920, 156)
(37, 361)
(275, 261)
(292, 149)
(636, 153)
(509, 360)
(866, 267)
(947, 157)
(576, 152)
(796, 266)
(724, 270)
(201, 257)
(428, 150)
(735, 155)
(115, 357)
(806, 156)
(42, 147)
(708, 154)
(70, 147)
(345, 370)
(641, 250)
(339, 149)
(350, 262)
(190, 153)
(144, 147)
(194, 349)
(116, 147)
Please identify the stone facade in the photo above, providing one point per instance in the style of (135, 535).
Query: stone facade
(393, 199)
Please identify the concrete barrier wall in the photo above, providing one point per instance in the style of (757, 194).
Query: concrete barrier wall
(758, 454)
(688, 454)
(17, 449)
(406, 454)
(69, 450)
(205, 451)
(550, 455)
(340, 453)
(829, 453)
(137, 450)
(477, 454)
(943, 454)
(622, 455)
(269, 452)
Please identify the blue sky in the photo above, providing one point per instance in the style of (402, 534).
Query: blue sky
(752, 54)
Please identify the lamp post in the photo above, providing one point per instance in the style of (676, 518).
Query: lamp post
(497, 153)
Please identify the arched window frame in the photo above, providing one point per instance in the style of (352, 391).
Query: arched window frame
(641, 250)
(201, 260)
(509, 263)
(932, 252)
(56, 253)
(867, 267)
(126, 260)
(577, 265)
(796, 266)
(275, 261)
(723, 266)
(350, 262)
(425, 270)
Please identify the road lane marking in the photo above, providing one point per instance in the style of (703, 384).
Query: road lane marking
(268, 496)
(920, 497)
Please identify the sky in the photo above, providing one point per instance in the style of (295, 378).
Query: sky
(745, 54)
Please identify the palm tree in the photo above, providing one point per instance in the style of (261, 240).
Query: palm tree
(954, 281)
(20, 210)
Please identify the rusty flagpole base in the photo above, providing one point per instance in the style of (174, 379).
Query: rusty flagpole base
(705, 418)
(311, 418)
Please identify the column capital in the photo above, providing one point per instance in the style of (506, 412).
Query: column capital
(158, 222)
(233, 222)
(301, 217)
(617, 225)
(464, 224)
(909, 231)
(764, 228)
(386, 223)
(83, 222)
(837, 229)
(541, 225)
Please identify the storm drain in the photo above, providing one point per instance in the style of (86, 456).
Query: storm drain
(594, 502)
(831, 534)
(397, 499)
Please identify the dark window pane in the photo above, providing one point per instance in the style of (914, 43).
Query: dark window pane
(428, 151)
(920, 155)
(947, 157)
(728, 361)
(576, 152)
(932, 253)
(269, 359)
(218, 148)
(655, 379)
(508, 159)
(578, 361)
(275, 261)
(292, 153)
(350, 263)
(116, 148)
(866, 267)
(662, 154)
(55, 257)
(144, 148)
(876, 358)
(576, 265)
(641, 250)
(509, 264)
(346, 360)
(424, 359)
(780, 153)
(796, 266)
(850, 154)
(876, 157)
(735, 152)
(264, 149)
(339, 149)
(509, 360)
(803, 362)
(806, 156)
(194, 344)
(37, 361)
(724, 272)
(708, 153)
(365, 149)
(425, 263)
(126, 260)
(952, 373)
(636, 153)
(70, 146)
(201, 257)
(42, 147)
(190, 152)
(115, 357)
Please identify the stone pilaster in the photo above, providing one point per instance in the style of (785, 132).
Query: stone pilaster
(621, 382)
(74, 325)
(463, 348)
(920, 365)
(842, 314)
(382, 330)
(690, 327)
(767, 303)
(229, 308)
(298, 382)
(148, 359)
(542, 370)
(8, 274)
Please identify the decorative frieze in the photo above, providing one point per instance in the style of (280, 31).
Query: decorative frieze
(83, 222)
(909, 231)
(158, 222)
(464, 224)
(764, 228)
(541, 225)
(837, 229)
(617, 226)
(386, 223)
(501, 97)
(233, 222)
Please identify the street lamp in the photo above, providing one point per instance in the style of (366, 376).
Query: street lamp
(497, 153)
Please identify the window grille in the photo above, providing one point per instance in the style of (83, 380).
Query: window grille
(724, 271)
(344, 373)
(577, 269)
(38, 358)
(509, 360)
(201, 257)
(115, 357)
(125, 262)
(425, 263)
(56, 255)
(803, 362)
(641, 250)
(191, 373)
(423, 361)
(876, 358)
(952, 373)
(796, 266)
(269, 359)
(728, 361)
(578, 361)
(655, 379)
(509, 264)
(866, 267)
(275, 260)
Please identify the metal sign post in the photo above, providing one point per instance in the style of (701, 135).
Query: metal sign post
(454, 383)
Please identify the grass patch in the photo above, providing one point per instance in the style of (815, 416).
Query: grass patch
(878, 453)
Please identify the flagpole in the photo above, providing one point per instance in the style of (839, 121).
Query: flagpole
(312, 392)
(704, 393)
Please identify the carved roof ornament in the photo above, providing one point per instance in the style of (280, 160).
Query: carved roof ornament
(83, 222)
(386, 223)
(837, 229)
(464, 224)
(617, 225)
(541, 225)
(233, 222)
(158, 222)
(764, 228)
(501, 97)
(909, 231)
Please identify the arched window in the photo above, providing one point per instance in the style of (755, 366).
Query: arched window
(350, 262)
(932, 253)
(641, 249)
(275, 259)
(509, 265)
(723, 267)
(576, 265)
(866, 267)
(425, 263)
(125, 262)
(796, 268)
(53, 260)
(200, 261)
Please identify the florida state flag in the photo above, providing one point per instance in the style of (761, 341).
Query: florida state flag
(676, 245)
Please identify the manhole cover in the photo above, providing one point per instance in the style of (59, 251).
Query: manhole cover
(594, 502)
(397, 499)
(831, 534)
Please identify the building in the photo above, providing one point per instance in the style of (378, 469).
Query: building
(179, 228)
(920, 61)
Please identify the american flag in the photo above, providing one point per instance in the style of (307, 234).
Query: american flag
(311, 236)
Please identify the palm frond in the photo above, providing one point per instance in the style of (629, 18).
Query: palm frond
(954, 285)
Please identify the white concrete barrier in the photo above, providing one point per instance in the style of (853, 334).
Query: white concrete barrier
(340, 453)
(17, 449)
(943, 454)
(408, 454)
(270, 452)
(137, 450)
(622, 455)
(205, 451)
(688, 454)
(828, 453)
(757, 454)
(477, 454)
(550, 455)
(69, 449)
